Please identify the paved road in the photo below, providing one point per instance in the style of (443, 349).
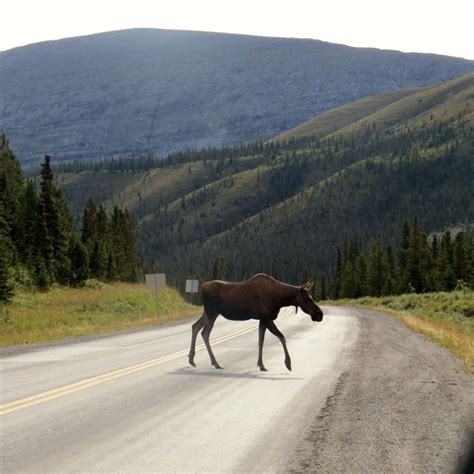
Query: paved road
(130, 402)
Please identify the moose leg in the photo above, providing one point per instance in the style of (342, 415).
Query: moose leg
(208, 325)
(274, 330)
(197, 326)
(261, 337)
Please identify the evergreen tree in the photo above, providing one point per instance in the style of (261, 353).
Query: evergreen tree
(378, 270)
(124, 245)
(418, 258)
(79, 259)
(28, 215)
(324, 291)
(403, 255)
(11, 187)
(51, 213)
(446, 263)
(338, 275)
(6, 287)
(459, 258)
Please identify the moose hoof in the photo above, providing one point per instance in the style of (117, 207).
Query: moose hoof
(288, 364)
(192, 363)
(217, 366)
(262, 368)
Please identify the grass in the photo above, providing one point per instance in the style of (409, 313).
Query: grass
(68, 312)
(445, 318)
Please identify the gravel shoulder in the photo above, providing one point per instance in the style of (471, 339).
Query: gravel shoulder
(403, 405)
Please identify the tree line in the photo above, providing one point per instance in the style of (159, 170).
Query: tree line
(418, 263)
(41, 246)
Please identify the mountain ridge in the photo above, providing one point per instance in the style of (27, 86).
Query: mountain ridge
(160, 91)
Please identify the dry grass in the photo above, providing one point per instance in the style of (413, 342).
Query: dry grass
(67, 312)
(445, 318)
(446, 334)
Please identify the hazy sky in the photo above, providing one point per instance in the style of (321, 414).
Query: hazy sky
(437, 26)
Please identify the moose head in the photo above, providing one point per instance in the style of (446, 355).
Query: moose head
(306, 303)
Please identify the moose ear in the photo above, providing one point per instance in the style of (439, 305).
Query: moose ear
(303, 285)
(307, 285)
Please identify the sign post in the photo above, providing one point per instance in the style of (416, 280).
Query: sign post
(155, 281)
(192, 286)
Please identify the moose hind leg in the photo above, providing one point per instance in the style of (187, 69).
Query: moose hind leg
(197, 326)
(206, 332)
(275, 331)
(261, 337)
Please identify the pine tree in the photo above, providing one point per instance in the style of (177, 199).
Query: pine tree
(79, 259)
(11, 188)
(418, 258)
(6, 287)
(446, 263)
(54, 222)
(124, 245)
(361, 268)
(324, 291)
(459, 258)
(403, 255)
(338, 275)
(28, 212)
(42, 259)
(378, 271)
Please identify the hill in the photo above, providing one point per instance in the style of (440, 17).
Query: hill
(159, 91)
(284, 206)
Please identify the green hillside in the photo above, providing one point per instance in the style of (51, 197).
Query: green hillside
(335, 119)
(440, 102)
(281, 207)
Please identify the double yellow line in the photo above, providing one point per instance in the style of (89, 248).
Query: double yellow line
(43, 397)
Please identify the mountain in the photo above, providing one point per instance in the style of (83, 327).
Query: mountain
(139, 91)
(285, 205)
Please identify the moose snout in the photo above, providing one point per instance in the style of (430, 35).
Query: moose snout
(318, 316)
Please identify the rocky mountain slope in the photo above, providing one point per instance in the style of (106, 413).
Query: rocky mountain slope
(145, 90)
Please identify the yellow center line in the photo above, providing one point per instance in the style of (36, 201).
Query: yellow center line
(92, 381)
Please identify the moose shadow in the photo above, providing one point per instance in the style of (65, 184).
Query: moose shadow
(221, 374)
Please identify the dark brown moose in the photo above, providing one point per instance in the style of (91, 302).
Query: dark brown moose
(261, 297)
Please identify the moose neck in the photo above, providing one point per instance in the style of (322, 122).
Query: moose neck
(289, 295)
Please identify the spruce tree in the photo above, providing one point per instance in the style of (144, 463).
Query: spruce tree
(418, 261)
(459, 258)
(11, 187)
(338, 275)
(6, 286)
(79, 259)
(403, 255)
(324, 291)
(88, 230)
(378, 271)
(57, 234)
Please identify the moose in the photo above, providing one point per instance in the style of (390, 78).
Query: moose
(261, 297)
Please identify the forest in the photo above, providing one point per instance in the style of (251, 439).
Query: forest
(39, 244)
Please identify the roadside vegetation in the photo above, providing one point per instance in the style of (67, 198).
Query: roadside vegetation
(445, 318)
(61, 312)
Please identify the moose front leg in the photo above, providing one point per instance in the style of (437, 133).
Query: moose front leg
(206, 332)
(274, 330)
(261, 337)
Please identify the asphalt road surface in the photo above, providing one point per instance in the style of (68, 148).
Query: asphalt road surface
(365, 395)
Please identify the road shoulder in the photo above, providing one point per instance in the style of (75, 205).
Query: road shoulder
(404, 405)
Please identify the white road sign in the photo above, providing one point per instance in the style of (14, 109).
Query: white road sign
(192, 286)
(155, 281)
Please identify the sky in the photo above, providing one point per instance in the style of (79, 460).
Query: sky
(434, 26)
